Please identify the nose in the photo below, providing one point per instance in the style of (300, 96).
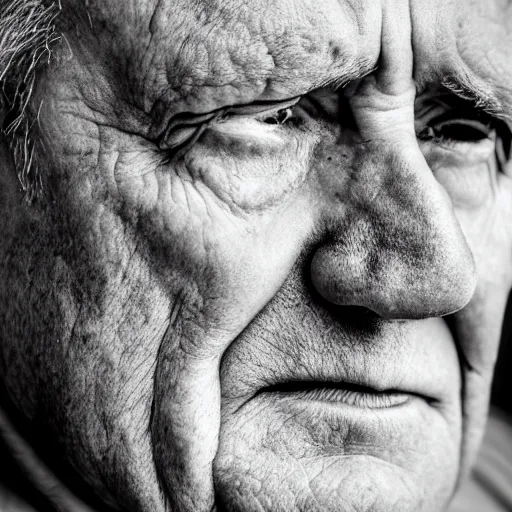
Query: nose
(394, 244)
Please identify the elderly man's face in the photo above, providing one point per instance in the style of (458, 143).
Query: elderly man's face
(271, 262)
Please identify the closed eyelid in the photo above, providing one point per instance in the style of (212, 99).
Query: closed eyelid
(261, 108)
(191, 119)
(192, 126)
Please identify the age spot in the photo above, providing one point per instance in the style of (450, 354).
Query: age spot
(335, 50)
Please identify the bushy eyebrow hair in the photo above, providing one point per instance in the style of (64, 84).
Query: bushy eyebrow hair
(493, 100)
(27, 34)
(482, 96)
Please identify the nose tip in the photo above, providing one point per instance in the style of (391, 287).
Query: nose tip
(394, 288)
(399, 252)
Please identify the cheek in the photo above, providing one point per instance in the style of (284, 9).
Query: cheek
(248, 165)
(469, 187)
(480, 194)
(470, 181)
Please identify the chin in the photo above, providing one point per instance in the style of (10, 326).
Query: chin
(288, 452)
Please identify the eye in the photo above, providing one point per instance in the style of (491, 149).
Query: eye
(456, 127)
(186, 129)
(463, 130)
(280, 117)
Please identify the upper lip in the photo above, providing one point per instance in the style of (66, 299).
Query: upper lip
(412, 358)
(373, 372)
(348, 369)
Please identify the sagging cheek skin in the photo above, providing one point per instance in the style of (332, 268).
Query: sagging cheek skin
(97, 317)
(208, 241)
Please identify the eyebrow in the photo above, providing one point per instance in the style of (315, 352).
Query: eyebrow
(485, 99)
(481, 95)
(495, 101)
(356, 70)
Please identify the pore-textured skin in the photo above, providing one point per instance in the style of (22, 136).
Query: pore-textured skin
(146, 301)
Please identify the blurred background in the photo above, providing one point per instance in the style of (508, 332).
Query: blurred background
(502, 387)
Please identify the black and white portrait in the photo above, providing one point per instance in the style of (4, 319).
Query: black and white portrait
(255, 255)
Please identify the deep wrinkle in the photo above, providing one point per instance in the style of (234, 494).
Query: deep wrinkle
(375, 220)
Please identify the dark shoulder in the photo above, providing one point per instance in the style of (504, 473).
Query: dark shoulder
(12, 502)
(17, 494)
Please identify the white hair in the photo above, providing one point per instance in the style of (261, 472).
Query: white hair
(27, 32)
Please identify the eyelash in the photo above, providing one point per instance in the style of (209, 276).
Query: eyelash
(459, 128)
(183, 142)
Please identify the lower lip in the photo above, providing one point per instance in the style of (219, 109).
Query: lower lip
(362, 398)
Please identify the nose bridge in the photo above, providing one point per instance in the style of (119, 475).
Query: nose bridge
(395, 245)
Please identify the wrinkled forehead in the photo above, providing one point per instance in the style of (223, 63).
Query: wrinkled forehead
(470, 38)
(208, 52)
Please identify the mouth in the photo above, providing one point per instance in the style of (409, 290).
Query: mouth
(340, 393)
